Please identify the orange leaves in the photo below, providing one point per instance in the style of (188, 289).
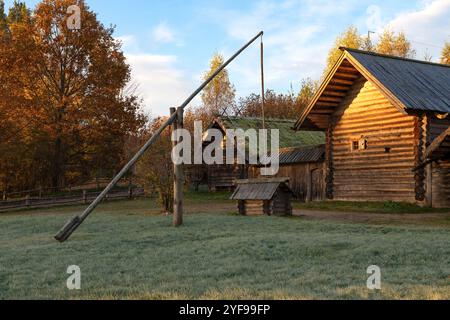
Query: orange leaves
(64, 94)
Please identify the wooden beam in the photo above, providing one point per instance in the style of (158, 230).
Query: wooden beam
(334, 93)
(348, 69)
(347, 75)
(178, 185)
(341, 81)
(336, 87)
(326, 104)
(330, 99)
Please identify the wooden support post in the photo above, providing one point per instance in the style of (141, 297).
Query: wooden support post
(178, 186)
(130, 192)
(40, 192)
(84, 197)
(27, 200)
(4, 196)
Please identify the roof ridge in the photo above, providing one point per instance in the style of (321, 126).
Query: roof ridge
(394, 57)
(260, 119)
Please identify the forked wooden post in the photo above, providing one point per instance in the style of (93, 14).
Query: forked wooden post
(178, 184)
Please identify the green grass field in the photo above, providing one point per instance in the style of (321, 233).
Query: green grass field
(387, 207)
(127, 250)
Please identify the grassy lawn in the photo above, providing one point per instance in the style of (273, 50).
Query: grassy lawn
(127, 250)
(387, 207)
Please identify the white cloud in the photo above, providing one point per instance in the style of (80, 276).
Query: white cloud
(428, 27)
(163, 33)
(295, 49)
(161, 84)
(129, 43)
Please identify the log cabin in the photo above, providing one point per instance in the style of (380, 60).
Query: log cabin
(305, 167)
(387, 123)
(222, 177)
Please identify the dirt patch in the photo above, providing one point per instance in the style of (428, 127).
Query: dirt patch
(225, 207)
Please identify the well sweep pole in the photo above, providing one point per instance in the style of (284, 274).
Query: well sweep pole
(75, 222)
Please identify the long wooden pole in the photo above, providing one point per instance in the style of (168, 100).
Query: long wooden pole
(178, 184)
(73, 224)
(263, 93)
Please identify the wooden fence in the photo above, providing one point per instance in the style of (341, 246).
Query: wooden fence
(53, 201)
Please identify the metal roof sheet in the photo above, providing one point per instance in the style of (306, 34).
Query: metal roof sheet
(419, 85)
(302, 155)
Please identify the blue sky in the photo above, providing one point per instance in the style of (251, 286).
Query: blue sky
(169, 43)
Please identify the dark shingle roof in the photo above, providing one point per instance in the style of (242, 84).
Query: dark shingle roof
(419, 85)
(258, 189)
(302, 155)
(290, 156)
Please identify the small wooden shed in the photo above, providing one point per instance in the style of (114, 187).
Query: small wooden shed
(264, 197)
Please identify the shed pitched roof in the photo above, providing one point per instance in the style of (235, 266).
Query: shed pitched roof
(410, 85)
(258, 189)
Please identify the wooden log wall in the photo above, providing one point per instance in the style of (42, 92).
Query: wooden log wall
(298, 179)
(384, 171)
(440, 179)
(222, 177)
(256, 207)
(436, 127)
(441, 184)
(282, 205)
(329, 175)
(420, 149)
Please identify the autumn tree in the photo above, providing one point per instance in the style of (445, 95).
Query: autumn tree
(307, 90)
(155, 169)
(219, 96)
(3, 20)
(276, 105)
(349, 39)
(395, 44)
(445, 58)
(19, 12)
(67, 88)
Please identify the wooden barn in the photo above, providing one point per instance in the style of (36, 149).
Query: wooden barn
(263, 197)
(222, 177)
(305, 167)
(387, 123)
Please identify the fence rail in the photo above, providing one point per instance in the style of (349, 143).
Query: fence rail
(97, 184)
(85, 197)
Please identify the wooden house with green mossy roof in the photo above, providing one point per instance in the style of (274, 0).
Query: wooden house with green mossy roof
(223, 177)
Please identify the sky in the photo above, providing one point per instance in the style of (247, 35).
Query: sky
(169, 43)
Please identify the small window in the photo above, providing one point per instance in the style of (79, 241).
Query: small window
(359, 145)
